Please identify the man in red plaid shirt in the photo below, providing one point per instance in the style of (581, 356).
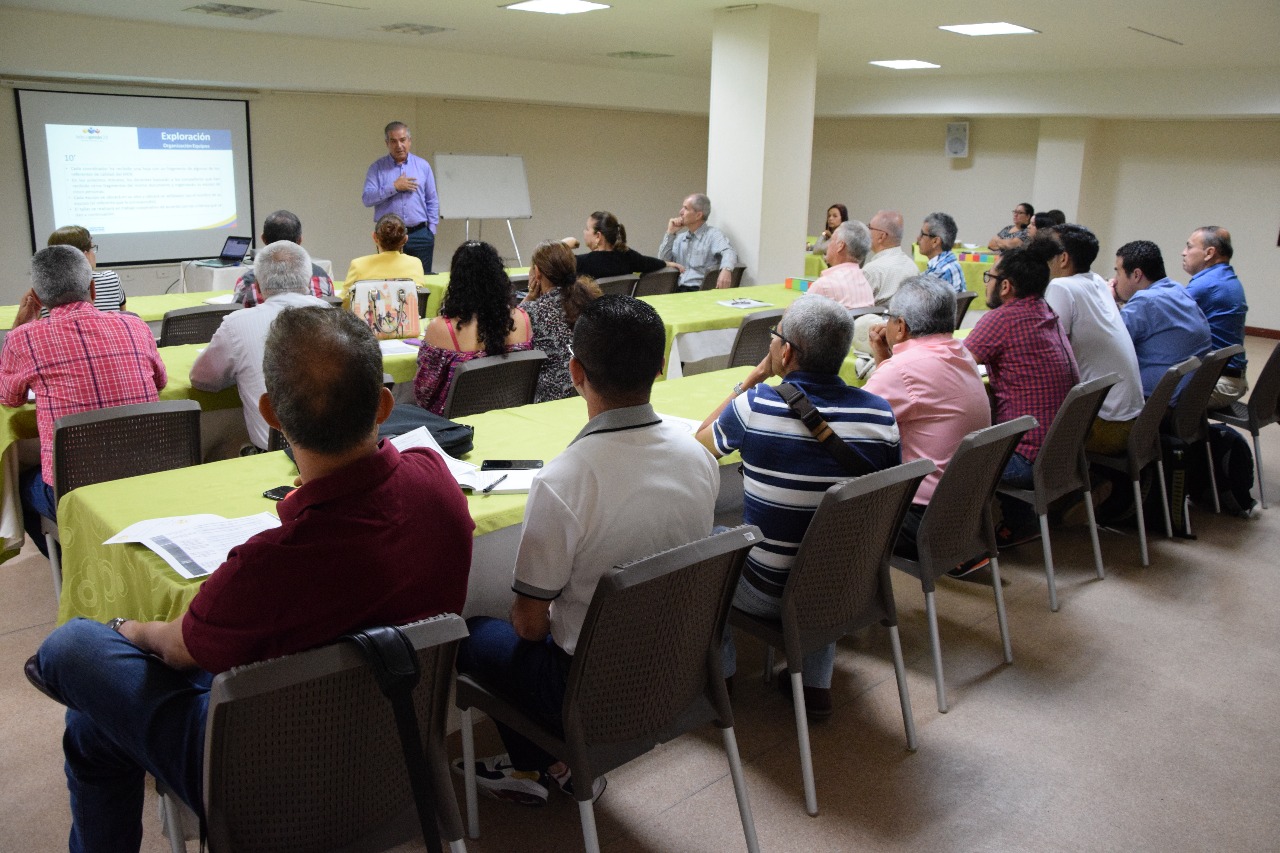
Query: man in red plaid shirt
(75, 360)
(1030, 367)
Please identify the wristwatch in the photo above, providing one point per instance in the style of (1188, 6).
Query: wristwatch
(115, 623)
(737, 389)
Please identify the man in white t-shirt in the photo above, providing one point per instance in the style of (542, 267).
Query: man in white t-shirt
(628, 486)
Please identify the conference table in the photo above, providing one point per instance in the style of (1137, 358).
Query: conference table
(104, 581)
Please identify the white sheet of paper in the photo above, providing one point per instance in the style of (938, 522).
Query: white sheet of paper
(396, 347)
(469, 476)
(141, 530)
(195, 552)
(224, 299)
(743, 302)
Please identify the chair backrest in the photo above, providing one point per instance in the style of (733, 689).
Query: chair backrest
(192, 325)
(752, 342)
(617, 285)
(713, 275)
(840, 579)
(962, 305)
(855, 313)
(493, 382)
(1060, 468)
(1144, 435)
(957, 526)
(124, 441)
(657, 283)
(389, 306)
(647, 663)
(1265, 395)
(1187, 420)
(302, 752)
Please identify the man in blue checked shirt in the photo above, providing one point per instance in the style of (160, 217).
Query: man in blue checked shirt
(937, 236)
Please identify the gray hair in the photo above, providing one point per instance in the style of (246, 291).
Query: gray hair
(61, 275)
(283, 267)
(942, 226)
(821, 331)
(890, 222)
(702, 204)
(927, 304)
(394, 126)
(856, 238)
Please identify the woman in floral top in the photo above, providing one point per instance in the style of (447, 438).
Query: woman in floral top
(557, 296)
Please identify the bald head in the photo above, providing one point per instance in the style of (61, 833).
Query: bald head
(886, 230)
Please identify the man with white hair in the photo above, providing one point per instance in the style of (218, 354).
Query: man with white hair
(786, 471)
(75, 360)
(234, 355)
(843, 280)
(889, 266)
(700, 248)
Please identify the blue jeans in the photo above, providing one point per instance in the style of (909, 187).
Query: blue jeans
(37, 500)
(128, 714)
(817, 666)
(1018, 516)
(422, 245)
(530, 675)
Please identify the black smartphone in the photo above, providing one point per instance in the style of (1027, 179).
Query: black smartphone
(509, 464)
(278, 493)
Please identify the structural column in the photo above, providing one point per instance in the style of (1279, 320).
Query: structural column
(760, 135)
(1061, 157)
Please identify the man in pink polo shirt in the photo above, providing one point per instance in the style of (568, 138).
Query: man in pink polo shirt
(843, 280)
(931, 382)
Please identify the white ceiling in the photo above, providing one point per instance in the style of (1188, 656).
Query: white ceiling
(1076, 35)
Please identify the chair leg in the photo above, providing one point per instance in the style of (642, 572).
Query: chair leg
(1093, 535)
(802, 735)
(935, 646)
(469, 774)
(1213, 477)
(1257, 463)
(172, 822)
(458, 846)
(1164, 500)
(904, 698)
(1142, 521)
(740, 790)
(55, 564)
(1047, 548)
(768, 664)
(1001, 617)
(587, 814)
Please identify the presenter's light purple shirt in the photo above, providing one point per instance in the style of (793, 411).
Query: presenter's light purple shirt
(414, 208)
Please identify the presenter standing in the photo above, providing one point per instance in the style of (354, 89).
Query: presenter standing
(403, 184)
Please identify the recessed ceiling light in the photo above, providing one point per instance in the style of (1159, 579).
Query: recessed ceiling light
(556, 7)
(903, 64)
(1000, 28)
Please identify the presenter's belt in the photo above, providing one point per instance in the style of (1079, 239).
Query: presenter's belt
(414, 229)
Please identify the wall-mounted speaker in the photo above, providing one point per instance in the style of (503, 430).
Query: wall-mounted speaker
(957, 144)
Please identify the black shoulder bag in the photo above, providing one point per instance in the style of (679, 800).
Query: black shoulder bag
(850, 459)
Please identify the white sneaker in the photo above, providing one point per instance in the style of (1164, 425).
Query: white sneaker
(500, 780)
(565, 783)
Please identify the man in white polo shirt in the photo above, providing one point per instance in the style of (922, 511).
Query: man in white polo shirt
(628, 486)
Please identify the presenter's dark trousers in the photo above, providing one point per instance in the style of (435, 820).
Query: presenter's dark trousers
(422, 245)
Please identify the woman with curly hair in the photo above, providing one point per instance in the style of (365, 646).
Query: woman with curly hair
(389, 237)
(556, 297)
(606, 238)
(476, 319)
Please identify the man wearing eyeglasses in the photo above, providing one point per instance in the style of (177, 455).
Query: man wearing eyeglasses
(1012, 236)
(888, 266)
(785, 470)
(937, 236)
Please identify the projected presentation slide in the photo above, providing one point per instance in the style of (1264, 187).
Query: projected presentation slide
(120, 180)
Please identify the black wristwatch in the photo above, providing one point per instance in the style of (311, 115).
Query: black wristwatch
(115, 623)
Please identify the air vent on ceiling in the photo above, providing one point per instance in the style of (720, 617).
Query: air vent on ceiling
(639, 54)
(230, 10)
(413, 29)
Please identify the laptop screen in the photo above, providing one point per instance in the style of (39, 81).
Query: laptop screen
(235, 248)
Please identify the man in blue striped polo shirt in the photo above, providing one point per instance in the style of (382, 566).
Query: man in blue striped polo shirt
(785, 470)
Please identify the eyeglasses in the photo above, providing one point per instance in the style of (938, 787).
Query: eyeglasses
(93, 247)
(1020, 212)
(989, 276)
(924, 235)
(774, 331)
(878, 230)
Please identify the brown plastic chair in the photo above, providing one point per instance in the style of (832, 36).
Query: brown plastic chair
(1144, 448)
(1187, 421)
(962, 305)
(647, 669)
(839, 584)
(1258, 412)
(752, 342)
(192, 325)
(302, 752)
(493, 382)
(657, 283)
(709, 280)
(1061, 469)
(957, 526)
(617, 285)
(117, 442)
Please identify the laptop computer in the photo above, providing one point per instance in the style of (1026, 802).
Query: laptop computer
(233, 252)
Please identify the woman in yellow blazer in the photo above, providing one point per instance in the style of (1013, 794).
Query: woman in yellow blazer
(389, 236)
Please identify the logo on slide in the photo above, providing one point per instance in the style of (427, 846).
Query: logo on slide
(91, 131)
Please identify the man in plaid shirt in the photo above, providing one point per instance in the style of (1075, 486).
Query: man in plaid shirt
(75, 360)
(1030, 367)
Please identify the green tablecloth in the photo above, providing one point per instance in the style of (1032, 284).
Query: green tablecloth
(813, 265)
(102, 581)
(149, 308)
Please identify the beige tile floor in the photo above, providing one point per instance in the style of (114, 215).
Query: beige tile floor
(1140, 717)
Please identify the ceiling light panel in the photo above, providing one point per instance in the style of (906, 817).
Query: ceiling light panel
(556, 7)
(903, 64)
(1000, 28)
